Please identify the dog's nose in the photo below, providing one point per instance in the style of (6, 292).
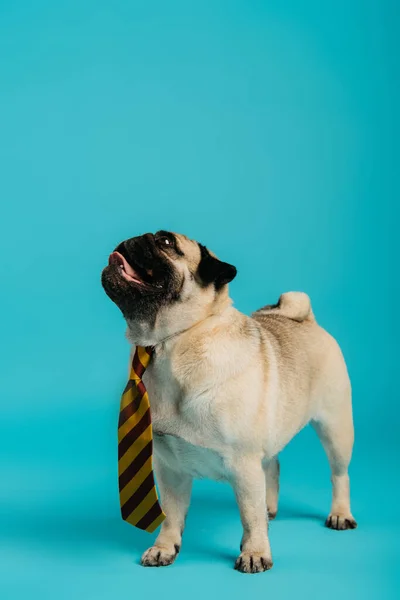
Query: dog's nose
(148, 237)
(140, 248)
(147, 245)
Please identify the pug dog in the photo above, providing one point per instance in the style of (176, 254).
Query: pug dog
(228, 391)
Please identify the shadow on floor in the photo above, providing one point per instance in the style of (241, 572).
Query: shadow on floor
(67, 532)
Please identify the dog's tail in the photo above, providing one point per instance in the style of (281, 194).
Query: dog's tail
(293, 305)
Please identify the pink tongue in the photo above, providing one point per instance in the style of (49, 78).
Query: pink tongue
(128, 269)
(117, 258)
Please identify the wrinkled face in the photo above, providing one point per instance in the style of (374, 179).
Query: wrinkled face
(155, 273)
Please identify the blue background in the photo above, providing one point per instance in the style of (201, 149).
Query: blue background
(266, 130)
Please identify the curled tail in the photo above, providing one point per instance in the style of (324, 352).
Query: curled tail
(293, 305)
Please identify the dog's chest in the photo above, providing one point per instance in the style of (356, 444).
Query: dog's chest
(184, 435)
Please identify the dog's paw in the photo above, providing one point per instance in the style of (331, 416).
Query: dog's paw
(253, 562)
(272, 514)
(340, 522)
(156, 556)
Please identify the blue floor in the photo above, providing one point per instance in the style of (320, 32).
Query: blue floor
(62, 538)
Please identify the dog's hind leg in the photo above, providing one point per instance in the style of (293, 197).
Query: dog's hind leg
(334, 426)
(271, 470)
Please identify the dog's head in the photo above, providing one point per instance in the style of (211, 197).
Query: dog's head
(164, 283)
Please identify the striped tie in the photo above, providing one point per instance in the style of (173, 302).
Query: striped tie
(137, 491)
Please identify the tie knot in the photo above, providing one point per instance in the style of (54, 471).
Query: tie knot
(140, 361)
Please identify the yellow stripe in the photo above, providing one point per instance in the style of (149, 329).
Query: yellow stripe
(134, 450)
(128, 397)
(143, 355)
(153, 526)
(134, 483)
(143, 508)
(134, 419)
(133, 375)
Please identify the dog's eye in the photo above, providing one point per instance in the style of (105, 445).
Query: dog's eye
(164, 241)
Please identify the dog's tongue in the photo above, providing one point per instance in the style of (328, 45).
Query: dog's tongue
(117, 258)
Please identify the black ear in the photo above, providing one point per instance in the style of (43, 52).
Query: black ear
(212, 270)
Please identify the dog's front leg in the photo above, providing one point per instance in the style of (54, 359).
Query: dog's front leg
(248, 481)
(175, 489)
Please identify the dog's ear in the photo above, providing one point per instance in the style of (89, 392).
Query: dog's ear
(212, 270)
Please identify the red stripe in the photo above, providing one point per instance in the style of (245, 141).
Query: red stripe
(135, 465)
(133, 434)
(137, 365)
(151, 515)
(141, 388)
(129, 410)
(137, 497)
